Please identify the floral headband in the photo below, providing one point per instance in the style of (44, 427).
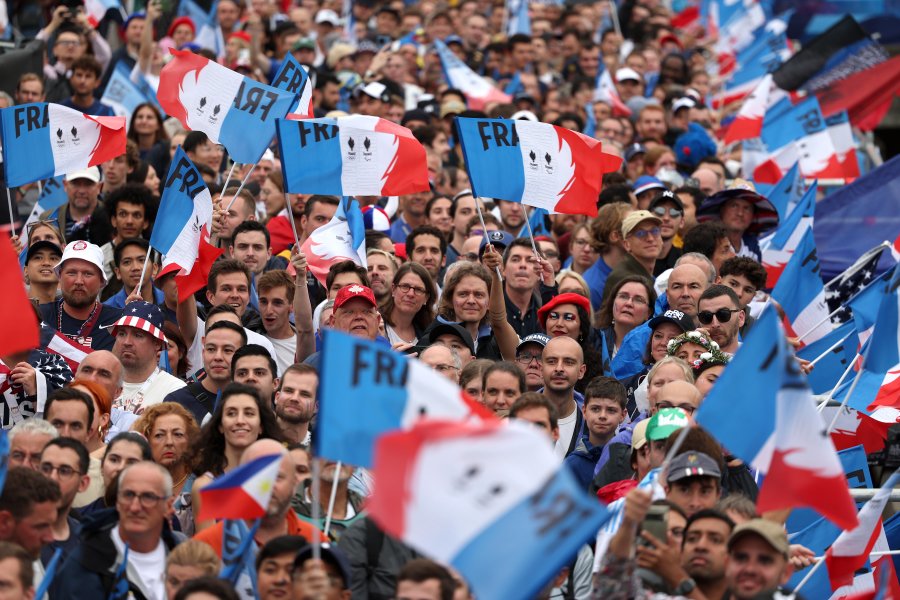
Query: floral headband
(692, 337)
(713, 358)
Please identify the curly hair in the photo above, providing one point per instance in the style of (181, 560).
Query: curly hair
(144, 424)
(209, 447)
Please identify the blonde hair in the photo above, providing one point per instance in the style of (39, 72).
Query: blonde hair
(193, 553)
(671, 360)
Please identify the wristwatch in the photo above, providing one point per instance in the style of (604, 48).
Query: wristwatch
(685, 587)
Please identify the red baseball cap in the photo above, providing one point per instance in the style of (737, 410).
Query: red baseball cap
(350, 292)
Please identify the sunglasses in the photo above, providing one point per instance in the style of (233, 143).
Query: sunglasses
(645, 233)
(723, 315)
(660, 211)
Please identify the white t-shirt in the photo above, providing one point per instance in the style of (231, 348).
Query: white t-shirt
(137, 397)
(284, 352)
(195, 352)
(146, 569)
(566, 431)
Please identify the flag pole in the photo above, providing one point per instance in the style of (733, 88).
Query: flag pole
(333, 496)
(290, 217)
(849, 393)
(315, 508)
(820, 323)
(833, 346)
(144, 269)
(240, 187)
(614, 17)
(838, 384)
(12, 218)
(484, 231)
(530, 231)
(807, 577)
(227, 179)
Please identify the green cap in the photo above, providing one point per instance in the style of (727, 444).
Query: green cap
(663, 423)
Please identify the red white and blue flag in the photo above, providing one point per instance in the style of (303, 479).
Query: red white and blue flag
(778, 247)
(356, 155)
(293, 78)
(233, 110)
(242, 493)
(780, 433)
(801, 293)
(478, 91)
(42, 140)
(537, 164)
(342, 238)
(467, 493)
(851, 550)
(361, 377)
(181, 230)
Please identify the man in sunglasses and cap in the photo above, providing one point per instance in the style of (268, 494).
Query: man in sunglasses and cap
(720, 313)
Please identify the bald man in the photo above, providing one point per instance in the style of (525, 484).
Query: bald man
(708, 180)
(279, 519)
(562, 365)
(678, 394)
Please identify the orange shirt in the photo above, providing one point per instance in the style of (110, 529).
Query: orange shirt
(295, 526)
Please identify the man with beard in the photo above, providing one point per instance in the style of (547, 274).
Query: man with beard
(252, 365)
(295, 402)
(79, 315)
(279, 519)
(382, 267)
(65, 461)
(704, 552)
(721, 314)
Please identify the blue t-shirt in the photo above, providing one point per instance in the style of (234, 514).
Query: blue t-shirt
(97, 109)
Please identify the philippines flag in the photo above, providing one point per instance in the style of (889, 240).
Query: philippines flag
(342, 238)
(242, 493)
(778, 247)
(360, 377)
(852, 548)
(534, 163)
(467, 493)
(41, 140)
(293, 78)
(801, 293)
(182, 224)
(779, 433)
(231, 109)
(354, 155)
(478, 90)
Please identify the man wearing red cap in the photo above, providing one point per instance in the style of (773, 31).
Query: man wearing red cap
(356, 313)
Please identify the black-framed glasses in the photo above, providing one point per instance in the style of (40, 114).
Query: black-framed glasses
(644, 233)
(525, 358)
(723, 315)
(660, 211)
(65, 471)
(147, 499)
(406, 288)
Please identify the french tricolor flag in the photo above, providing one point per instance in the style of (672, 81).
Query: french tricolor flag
(293, 78)
(478, 90)
(354, 155)
(749, 121)
(242, 493)
(233, 110)
(778, 247)
(361, 377)
(466, 494)
(852, 548)
(538, 164)
(181, 230)
(342, 238)
(801, 293)
(42, 140)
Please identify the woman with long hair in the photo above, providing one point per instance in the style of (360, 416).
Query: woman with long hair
(408, 311)
(169, 427)
(123, 450)
(582, 249)
(629, 304)
(240, 418)
(176, 349)
(147, 132)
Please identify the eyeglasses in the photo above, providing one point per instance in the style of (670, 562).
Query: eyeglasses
(687, 408)
(645, 233)
(405, 288)
(147, 499)
(636, 300)
(660, 211)
(564, 316)
(69, 43)
(549, 254)
(65, 471)
(526, 357)
(723, 315)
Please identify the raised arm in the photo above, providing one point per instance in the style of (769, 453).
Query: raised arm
(506, 336)
(303, 314)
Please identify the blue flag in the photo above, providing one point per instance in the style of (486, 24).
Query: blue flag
(786, 122)
(124, 95)
(519, 19)
(786, 193)
(801, 293)
(121, 586)
(49, 574)
(829, 369)
(858, 216)
(538, 221)
(4, 456)
(239, 556)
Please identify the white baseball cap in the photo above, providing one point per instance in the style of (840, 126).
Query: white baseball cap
(83, 251)
(92, 173)
(327, 16)
(627, 74)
